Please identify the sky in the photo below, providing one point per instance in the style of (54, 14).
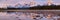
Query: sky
(13, 2)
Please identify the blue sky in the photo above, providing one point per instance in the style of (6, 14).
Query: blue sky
(13, 2)
(16, 1)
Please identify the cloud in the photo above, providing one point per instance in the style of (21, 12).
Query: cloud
(13, 2)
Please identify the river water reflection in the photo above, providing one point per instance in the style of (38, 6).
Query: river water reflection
(27, 16)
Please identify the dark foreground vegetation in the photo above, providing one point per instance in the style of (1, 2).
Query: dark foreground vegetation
(38, 7)
(46, 7)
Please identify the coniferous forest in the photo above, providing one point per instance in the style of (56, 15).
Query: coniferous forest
(38, 7)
